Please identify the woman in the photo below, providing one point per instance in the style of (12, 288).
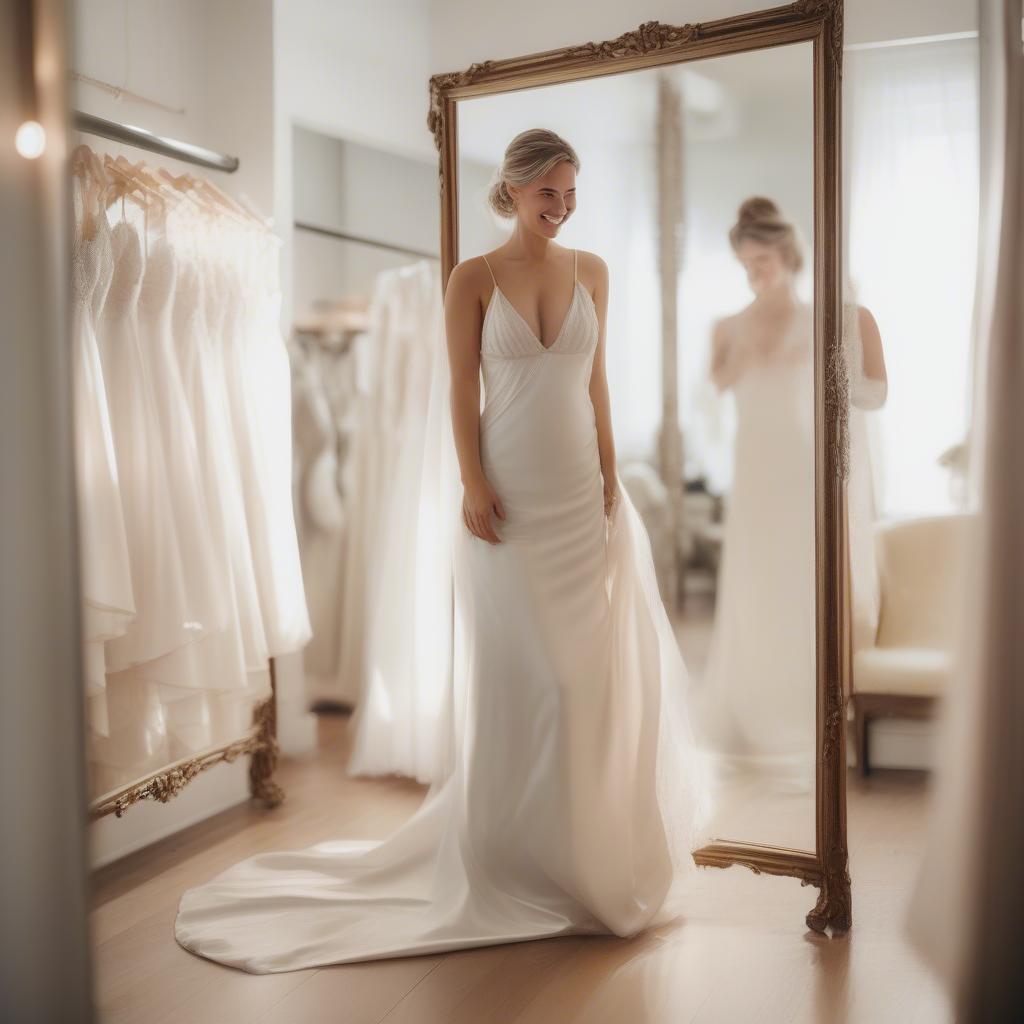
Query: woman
(757, 696)
(572, 802)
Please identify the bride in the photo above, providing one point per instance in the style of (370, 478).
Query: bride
(573, 799)
(755, 708)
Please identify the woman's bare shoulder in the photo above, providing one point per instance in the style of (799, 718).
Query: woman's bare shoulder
(592, 271)
(468, 278)
(590, 261)
(469, 269)
(723, 326)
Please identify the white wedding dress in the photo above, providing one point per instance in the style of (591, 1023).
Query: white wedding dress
(162, 587)
(108, 603)
(755, 706)
(574, 798)
(396, 721)
(257, 373)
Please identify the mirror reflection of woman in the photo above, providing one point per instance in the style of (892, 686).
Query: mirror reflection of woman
(756, 702)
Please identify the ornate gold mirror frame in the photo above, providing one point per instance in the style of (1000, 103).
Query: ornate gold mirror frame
(163, 785)
(652, 45)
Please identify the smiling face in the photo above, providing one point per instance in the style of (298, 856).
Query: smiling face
(546, 203)
(765, 266)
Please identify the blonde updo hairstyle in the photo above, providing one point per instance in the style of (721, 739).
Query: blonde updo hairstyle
(530, 155)
(759, 220)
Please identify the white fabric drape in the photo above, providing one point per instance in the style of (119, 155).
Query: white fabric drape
(964, 914)
(756, 697)
(400, 719)
(385, 422)
(191, 578)
(911, 182)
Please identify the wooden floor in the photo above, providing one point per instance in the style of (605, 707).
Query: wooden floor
(743, 953)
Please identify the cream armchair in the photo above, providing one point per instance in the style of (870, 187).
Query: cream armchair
(908, 667)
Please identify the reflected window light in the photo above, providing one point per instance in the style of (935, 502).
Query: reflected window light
(30, 140)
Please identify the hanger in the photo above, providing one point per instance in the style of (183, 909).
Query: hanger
(182, 185)
(159, 195)
(225, 200)
(206, 194)
(88, 168)
(123, 185)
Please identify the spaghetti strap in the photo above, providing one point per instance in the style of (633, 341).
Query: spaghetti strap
(575, 252)
(493, 278)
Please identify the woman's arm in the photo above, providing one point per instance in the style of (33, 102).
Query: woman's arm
(463, 324)
(871, 344)
(726, 366)
(599, 396)
(869, 384)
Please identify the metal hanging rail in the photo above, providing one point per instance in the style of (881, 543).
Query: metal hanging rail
(346, 236)
(93, 125)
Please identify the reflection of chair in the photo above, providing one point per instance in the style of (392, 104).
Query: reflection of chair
(909, 665)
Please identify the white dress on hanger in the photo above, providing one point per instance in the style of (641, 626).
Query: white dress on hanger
(212, 661)
(137, 741)
(258, 377)
(165, 615)
(755, 706)
(200, 360)
(573, 795)
(108, 601)
(194, 679)
(396, 723)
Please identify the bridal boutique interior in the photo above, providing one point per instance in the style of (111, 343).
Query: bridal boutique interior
(225, 286)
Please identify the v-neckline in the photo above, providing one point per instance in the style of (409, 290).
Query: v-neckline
(529, 329)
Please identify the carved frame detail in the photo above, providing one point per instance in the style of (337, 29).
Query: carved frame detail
(167, 783)
(655, 44)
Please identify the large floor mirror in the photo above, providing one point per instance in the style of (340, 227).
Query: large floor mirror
(709, 184)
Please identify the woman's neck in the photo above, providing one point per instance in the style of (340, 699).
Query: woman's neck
(527, 246)
(777, 297)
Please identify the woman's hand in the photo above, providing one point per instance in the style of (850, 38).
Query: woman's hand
(478, 501)
(611, 495)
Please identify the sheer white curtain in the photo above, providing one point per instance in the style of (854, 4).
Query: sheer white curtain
(964, 915)
(911, 168)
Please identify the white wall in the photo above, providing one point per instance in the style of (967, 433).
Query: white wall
(358, 71)
(210, 64)
(464, 32)
(372, 193)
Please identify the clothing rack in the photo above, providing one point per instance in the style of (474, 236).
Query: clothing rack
(346, 236)
(261, 741)
(93, 125)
